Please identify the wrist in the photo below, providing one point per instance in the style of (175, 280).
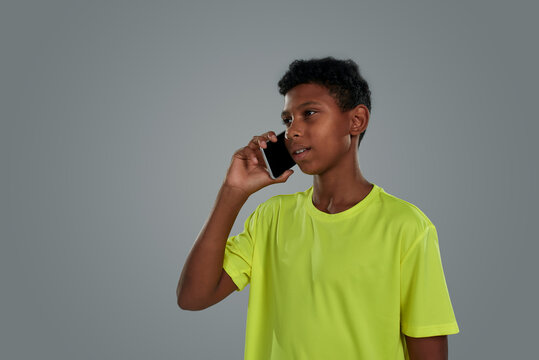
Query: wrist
(235, 192)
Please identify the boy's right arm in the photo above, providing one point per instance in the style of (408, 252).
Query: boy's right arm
(203, 282)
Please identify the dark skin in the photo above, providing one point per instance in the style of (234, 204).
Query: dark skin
(314, 120)
(429, 348)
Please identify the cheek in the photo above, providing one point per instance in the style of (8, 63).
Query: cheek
(337, 141)
(333, 139)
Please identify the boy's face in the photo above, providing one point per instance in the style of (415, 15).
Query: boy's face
(315, 121)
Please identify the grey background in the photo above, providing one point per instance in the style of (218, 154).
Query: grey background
(119, 119)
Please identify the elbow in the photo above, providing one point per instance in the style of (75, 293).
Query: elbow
(184, 305)
(188, 304)
(189, 307)
(182, 302)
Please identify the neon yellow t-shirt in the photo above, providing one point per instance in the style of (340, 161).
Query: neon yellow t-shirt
(341, 286)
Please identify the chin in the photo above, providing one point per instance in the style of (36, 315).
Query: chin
(308, 170)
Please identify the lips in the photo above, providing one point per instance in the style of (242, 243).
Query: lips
(301, 154)
(299, 151)
(297, 147)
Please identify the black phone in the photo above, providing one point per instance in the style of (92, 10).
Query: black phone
(277, 157)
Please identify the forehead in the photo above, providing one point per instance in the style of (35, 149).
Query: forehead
(305, 93)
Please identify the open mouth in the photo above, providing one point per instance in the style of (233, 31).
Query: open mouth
(301, 153)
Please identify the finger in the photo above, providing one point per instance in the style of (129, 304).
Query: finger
(255, 142)
(251, 154)
(261, 141)
(270, 135)
(241, 154)
(284, 176)
(265, 138)
(245, 154)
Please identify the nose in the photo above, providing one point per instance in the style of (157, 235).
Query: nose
(293, 130)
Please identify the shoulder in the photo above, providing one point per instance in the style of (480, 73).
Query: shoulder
(284, 203)
(267, 213)
(403, 212)
(409, 222)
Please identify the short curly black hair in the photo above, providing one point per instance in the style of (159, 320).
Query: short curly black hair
(341, 77)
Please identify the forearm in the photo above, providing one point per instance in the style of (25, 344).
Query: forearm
(428, 348)
(204, 264)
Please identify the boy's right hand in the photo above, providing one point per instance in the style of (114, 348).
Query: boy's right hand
(247, 170)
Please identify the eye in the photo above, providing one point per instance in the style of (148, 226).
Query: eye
(309, 112)
(286, 121)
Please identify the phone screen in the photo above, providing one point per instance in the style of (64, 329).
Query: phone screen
(277, 157)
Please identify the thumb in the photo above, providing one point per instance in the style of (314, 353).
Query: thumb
(284, 176)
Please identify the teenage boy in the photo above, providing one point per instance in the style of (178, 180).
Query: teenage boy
(342, 270)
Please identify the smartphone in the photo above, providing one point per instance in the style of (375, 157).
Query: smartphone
(277, 157)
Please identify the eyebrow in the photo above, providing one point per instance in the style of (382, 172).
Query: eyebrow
(308, 103)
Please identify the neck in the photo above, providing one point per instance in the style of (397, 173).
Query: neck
(340, 189)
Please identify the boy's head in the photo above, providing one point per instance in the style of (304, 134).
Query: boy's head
(341, 77)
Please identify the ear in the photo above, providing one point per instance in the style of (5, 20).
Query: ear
(359, 119)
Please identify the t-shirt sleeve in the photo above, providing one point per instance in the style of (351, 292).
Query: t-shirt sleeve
(426, 308)
(238, 255)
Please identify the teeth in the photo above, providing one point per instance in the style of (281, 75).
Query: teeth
(300, 151)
